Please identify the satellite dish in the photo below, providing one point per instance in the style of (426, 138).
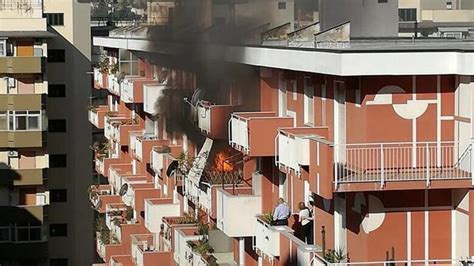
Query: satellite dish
(123, 189)
(97, 204)
(172, 168)
(120, 77)
(197, 96)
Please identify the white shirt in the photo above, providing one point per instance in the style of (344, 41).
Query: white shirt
(304, 217)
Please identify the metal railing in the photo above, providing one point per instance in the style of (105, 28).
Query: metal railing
(382, 162)
(21, 4)
(238, 132)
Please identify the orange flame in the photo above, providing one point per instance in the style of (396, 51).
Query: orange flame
(221, 164)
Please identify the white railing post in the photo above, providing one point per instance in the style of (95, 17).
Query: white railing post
(427, 165)
(471, 166)
(382, 167)
(336, 166)
(277, 144)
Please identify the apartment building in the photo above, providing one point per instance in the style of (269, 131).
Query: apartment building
(438, 18)
(373, 135)
(44, 58)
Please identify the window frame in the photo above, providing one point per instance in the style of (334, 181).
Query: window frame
(12, 119)
(54, 19)
(3, 52)
(409, 15)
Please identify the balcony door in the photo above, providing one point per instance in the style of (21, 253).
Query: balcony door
(25, 48)
(340, 119)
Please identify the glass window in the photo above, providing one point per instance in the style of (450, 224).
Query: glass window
(281, 5)
(56, 56)
(407, 14)
(4, 234)
(56, 230)
(57, 161)
(55, 19)
(57, 125)
(56, 90)
(33, 123)
(22, 234)
(3, 121)
(3, 49)
(58, 195)
(20, 121)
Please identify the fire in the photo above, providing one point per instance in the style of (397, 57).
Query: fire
(221, 163)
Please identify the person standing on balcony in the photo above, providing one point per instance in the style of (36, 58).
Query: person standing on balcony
(306, 221)
(281, 213)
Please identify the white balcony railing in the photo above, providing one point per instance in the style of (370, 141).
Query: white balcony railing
(157, 161)
(239, 134)
(94, 117)
(151, 95)
(98, 77)
(204, 117)
(292, 151)
(156, 209)
(384, 162)
(267, 238)
(114, 85)
(229, 221)
(126, 91)
(42, 198)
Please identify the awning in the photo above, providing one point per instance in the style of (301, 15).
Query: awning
(199, 163)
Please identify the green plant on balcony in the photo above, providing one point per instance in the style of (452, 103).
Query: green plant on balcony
(114, 68)
(203, 229)
(336, 256)
(112, 114)
(104, 232)
(187, 220)
(201, 246)
(104, 65)
(267, 218)
(129, 213)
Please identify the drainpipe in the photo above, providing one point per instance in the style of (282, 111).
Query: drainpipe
(242, 251)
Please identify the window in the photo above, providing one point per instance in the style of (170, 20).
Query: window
(57, 125)
(28, 233)
(20, 120)
(57, 90)
(57, 160)
(58, 195)
(4, 234)
(55, 19)
(383, 1)
(58, 262)
(128, 63)
(407, 14)
(56, 56)
(281, 5)
(56, 230)
(3, 47)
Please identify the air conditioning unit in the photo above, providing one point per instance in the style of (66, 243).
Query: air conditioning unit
(13, 154)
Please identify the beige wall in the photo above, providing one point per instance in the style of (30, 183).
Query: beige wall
(76, 27)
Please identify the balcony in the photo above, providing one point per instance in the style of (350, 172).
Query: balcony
(142, 145)
(97, 116)
(21, 102)
(21, 64)
(156, 209)
(103, 162)
(23, 177)
(254, 133)
(151, 94)
(113, 84)
(118, 128)
(213, 120)
(131, 89)
(135, 183)
(101, 196)
(230, 221)
(21, 139)
(101, 80)
(402, 165)
(170, 224)
(267, 238)
(182, 251)
(146, 251)
(293, 147)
